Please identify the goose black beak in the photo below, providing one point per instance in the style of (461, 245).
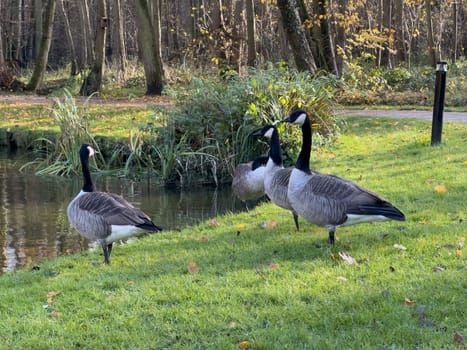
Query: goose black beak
(258, 133)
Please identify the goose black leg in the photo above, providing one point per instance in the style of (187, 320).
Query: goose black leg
(295, 219)
(331, 231)
(107, 249)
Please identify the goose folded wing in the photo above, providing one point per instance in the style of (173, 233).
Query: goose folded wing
(361, 201)
(112, 208)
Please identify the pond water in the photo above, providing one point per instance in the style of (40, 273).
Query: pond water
(33, 221)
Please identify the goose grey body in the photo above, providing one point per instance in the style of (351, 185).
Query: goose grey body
(248, 180)
(104, 217)
(329, 200)
(276, 177)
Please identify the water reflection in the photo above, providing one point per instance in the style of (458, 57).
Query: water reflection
(34, 224)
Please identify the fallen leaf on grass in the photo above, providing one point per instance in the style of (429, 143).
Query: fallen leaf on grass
(409, 302)
(204, 239)
(273, 265)
(461, 242)
(193, 268)
(399, 246)
(240, 225)
(423, 222)
(347, 258)
(51, 295)
(458, 338)
(441, 188)
(268, 224)
(244, 344)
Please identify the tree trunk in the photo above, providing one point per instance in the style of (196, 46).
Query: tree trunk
(304, 59)
(455, 31)
(326, 56)
(118, 44)
(2, 57)
(430, 38)
(238, 55)
(92, 83)
(19, 31)
(69, 36)
(400, 47)
(41, 61)
(87, 47)
(340, 35)
(37, 27)
(251, 33)
(149, 46)
(385, 28)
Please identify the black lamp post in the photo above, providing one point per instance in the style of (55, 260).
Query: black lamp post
(440, 89)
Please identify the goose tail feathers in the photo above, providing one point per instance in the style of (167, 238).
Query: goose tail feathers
(149, 226)
(383, 208)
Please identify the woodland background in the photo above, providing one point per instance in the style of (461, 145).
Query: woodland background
(327, 35)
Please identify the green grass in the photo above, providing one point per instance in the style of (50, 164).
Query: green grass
(274, 287)
(104, 118)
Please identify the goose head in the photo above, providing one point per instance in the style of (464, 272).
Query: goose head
(86, 151)
(265, 131)
(298, 116)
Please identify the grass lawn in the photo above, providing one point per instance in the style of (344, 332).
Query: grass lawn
(251, 281)
(103, 118)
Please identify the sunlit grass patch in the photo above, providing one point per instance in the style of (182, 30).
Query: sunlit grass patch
(242, 280)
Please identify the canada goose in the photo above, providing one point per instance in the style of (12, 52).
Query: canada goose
(276, 177)
(329, 200)
(101, 216)
(248, 180)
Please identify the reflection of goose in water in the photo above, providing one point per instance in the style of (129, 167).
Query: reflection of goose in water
(104, 217)
(329, 200)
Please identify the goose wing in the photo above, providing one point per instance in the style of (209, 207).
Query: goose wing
(352, 198)
(241, 172)
(114, 209)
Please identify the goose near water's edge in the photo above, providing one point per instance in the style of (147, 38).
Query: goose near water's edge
(104, 217)
(329, 200)
(248, 180)
(276, 177)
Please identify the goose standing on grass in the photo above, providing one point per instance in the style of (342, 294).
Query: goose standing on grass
(104, 217)
(248, 180)
(328, 200)
(276, 177)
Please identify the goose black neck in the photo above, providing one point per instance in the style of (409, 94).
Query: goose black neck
(88, 186)
(303, 161)
(275, 150)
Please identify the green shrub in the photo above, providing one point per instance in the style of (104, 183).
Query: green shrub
(365, 83)
(219, 115)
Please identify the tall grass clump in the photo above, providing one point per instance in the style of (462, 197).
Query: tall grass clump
(219, 115)
(60, 156)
